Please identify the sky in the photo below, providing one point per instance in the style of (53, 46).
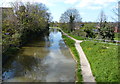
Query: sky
(89, 9)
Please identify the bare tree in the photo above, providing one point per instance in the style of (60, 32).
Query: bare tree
(71, 16)
(116, 18)
(102, 19)
(106, 30)
(116, 11)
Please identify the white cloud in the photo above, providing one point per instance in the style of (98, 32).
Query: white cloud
(70, 1)
(94, 4)
(81, 3)
(6, 3)
(82, 13)
(95, 7)
(102, 2)
(46, 2)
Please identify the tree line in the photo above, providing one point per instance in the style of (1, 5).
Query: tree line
(71, 22)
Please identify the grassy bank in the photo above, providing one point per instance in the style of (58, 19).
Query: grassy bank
(70, 43)
(103, 59)
(75, 36)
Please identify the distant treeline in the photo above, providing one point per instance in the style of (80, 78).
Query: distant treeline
(71, 22)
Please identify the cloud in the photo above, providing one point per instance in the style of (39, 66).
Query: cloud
(46, 2)
(94, 4)
(6, 3)
(81, 3)
(95, 7)
(82, 13)
(70, 1)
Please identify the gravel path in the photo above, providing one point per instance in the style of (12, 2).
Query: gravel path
(85, 66)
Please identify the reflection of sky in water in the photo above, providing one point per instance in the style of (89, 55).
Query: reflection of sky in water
(57, 65)
(54, 40)
(9, 74)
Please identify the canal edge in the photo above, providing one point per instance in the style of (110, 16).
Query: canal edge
(73, 56)
(86, 78)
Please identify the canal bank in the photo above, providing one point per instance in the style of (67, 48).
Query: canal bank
(84, 70)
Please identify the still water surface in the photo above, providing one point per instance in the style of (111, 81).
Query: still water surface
(45, 59)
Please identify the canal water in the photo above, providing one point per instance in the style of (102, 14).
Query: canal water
(46, 59)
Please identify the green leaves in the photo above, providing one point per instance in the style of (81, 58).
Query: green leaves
(28, 20)
(107, 32)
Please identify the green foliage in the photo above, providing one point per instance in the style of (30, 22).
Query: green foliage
(81, 33)
(69, 18)
(89, 29)
(89, 33)
(71, 44)
(89, 26)
(103, 59)
(28, 20)
(52, 24)
(107, 32)
(64, 26)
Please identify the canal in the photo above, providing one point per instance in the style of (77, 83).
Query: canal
(45, 59)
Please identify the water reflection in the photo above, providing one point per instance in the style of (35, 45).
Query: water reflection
(46, 60)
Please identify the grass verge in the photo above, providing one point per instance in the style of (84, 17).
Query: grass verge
(70, 43)
(75, 36)
(104, 61)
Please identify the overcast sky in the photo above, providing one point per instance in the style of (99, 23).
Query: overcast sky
(88, 9)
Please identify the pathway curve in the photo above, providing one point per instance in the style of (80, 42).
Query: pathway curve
(85, 66)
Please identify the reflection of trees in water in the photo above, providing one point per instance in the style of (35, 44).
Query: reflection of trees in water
(29, 57)
(24, 65)
(33, 67)
(31, 61)
(46, 33)
(18, 66)
(28, 61)
(54, 30)
(51, 30)
(46, 38)
(62, 44)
